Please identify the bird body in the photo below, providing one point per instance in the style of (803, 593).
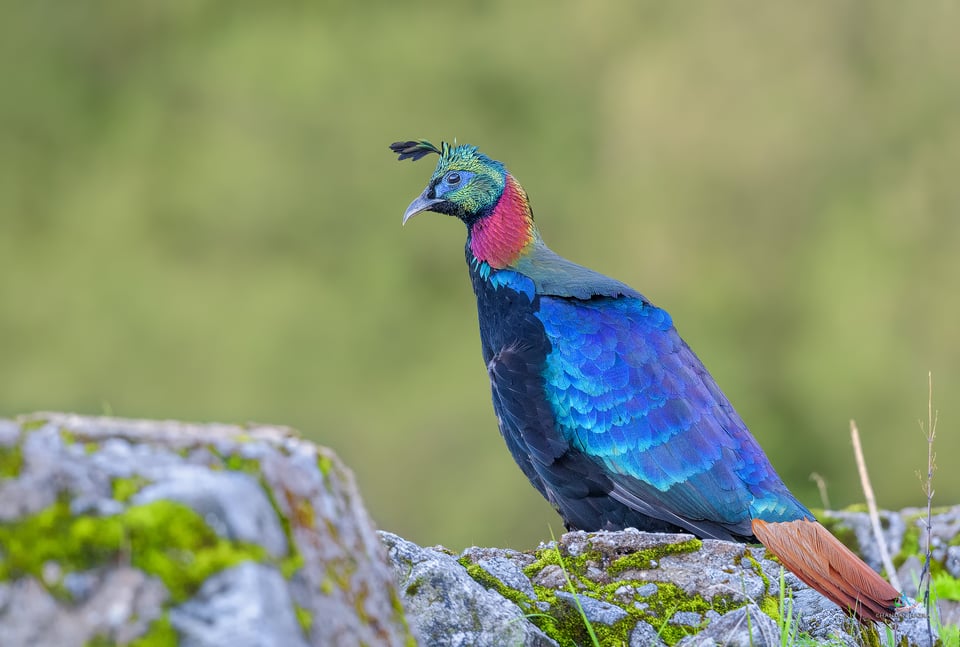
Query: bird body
(607, 411)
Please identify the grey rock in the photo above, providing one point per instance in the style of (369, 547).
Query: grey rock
(506, 566)
(623, 542)
(952, 561)
(9, 433)
(713, 575)
(744, 627)
(689, 618)
(315, 573)
(214, 495)
(909, 574)
(912, 630)
(631, 594)
(710, 576)
(551, 577)
(607, 574)
(122, 607)
(815, 615)
(596, 611)
(245, 606)
(948, 611)
(945, 524)
(80, 585)
(644, 635)
(448, 608)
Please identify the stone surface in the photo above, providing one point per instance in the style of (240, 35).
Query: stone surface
(119, 531)
(214, 496)
(122, 604)
(446, 606)
(595, 611)
(245, 606)
(116, 530)
(507, 570)
(643, 635)
(913, 630)
(633, 588)
(747, 626)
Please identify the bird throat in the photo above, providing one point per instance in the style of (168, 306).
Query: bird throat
(502, 237)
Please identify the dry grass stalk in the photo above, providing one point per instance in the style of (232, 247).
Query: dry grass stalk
(872, 507)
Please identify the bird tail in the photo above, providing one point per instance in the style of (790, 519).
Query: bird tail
(819, 559)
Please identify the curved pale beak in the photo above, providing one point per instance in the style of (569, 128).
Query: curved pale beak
(422, 203)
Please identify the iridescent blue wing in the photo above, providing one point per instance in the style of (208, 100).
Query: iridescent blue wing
(626, 390)
(576, 484)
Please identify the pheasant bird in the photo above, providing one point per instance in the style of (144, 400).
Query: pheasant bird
(605, 408)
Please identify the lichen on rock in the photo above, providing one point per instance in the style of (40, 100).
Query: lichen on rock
(626, 588)
(161, 533)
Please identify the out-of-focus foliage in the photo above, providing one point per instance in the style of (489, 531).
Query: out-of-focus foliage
(200, 219)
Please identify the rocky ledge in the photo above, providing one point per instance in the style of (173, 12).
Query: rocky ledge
(627, 588)
(131, 532)
(123, 532)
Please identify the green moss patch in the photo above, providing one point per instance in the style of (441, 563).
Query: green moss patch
(484, 578)
(770, 605)
(30, 425)
(160, 634)
(125, 488)
(294, 561)
(400, 616)
(304, 617)
(238, 463)
(324, 464)
(70, 438)
(11, 461)
(564, 623)
(642, 559)
(575, 566)
(162, 538)
(946, 586)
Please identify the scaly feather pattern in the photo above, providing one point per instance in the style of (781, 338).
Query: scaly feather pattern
(605, 408)
(628, 391)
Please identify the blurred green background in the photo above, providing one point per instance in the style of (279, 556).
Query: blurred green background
(200, 219)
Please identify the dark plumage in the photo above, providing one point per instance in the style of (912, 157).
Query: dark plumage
(605, 408)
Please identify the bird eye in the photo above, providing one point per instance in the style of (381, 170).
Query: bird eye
(453, 178)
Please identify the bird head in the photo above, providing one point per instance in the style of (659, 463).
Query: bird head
(480, 192)
(466, 183)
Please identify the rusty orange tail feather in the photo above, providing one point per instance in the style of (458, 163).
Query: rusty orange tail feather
(819, 559)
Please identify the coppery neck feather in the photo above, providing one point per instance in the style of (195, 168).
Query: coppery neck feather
(503, 236)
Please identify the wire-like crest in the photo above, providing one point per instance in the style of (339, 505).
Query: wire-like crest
(414, 150)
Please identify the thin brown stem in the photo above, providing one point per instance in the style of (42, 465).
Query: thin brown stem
(931, 433)
(822, 488)
(872, 507)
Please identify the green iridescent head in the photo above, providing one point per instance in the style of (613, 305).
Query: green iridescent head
(466, 183)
